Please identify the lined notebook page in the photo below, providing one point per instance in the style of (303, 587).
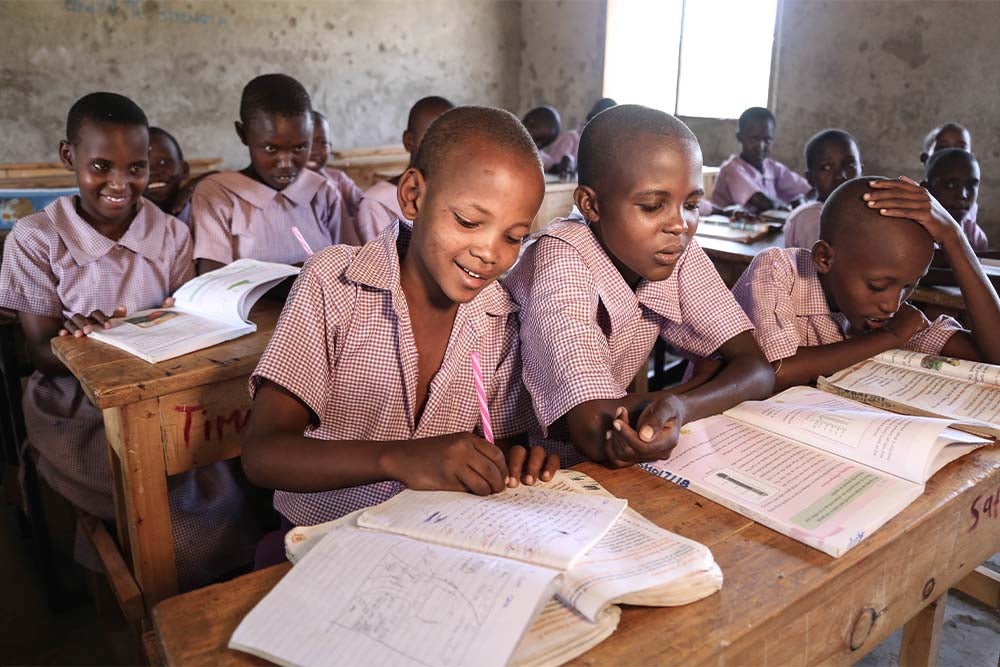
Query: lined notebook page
(363, 598)
(529, 523)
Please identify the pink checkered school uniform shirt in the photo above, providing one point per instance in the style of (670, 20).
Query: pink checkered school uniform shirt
(344, 346)
(233, 216)
(781, 293)
(973, 232)
(739, 180)
(802, 226)
(378, 210)
(585, 333)
(567, 143)
(54, 265)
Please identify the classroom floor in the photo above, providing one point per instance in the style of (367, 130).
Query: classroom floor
(31, 634)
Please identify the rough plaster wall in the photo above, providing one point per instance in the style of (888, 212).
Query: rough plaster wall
(889, 71)
(365, 63)
(562, 56)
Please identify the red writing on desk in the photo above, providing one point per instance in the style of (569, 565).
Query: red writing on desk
(986, 507)
(198, 415)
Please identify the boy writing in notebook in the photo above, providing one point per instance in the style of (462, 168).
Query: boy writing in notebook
(252, 213)
(366, 386)
(820, 310)
(832, 158)
(350, 193)
(380, 206)
(595, 295)
(752, 180)
(951, 175)
(66, 270)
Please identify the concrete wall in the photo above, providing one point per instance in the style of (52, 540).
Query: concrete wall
(185, 63)
(562, 56)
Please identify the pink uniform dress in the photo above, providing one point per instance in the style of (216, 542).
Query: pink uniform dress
(344, 346)
(739, 180)
(54, 265)
(351, 196)
(973, 232)
(378, 210)
(585, 332)
(233, 216)
(567, 143)
(781, 293)
(802, 226)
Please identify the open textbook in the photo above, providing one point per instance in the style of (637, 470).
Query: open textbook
(653, 565)
(924, 384)
(820, 468)
(207, 310)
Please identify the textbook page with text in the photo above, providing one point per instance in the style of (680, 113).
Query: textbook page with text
(209, 309)
(819, 468)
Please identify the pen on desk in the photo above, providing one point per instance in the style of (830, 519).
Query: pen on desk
(302, 240)
(484, 412)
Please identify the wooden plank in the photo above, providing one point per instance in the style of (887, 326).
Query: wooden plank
(111, 377)
(120, 580)
(983, 585)
(782, 602)
(134, 433)
(203, 425)
(945, 297)
(193, 629)
(922, 636)
(55, 175)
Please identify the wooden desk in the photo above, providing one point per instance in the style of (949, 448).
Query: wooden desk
(782, 602)
(731, 258)
(367, 166)
(557, 203)
(163, 419)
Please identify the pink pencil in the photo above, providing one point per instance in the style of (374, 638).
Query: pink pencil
(302, 240)
(477, 379)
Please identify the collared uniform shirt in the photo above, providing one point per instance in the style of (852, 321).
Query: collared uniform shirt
(378, 210)
(802, 226)
(739, 180)
(55, 264)
(233, 216)
(781, 293)
(585, 333)
(344, 346)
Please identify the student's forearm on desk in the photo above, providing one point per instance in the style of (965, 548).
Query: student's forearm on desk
(981, 301)
(743, 378)
(808, 363)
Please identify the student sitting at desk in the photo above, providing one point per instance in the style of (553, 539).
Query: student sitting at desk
(820, 310)
(350, 193)
(359, 393)
(948, 135)
(252, 213)
(167, 172)
(70, 267)
(595, 295)
(952, 177)
(752, 180)
(832, 158)
(380, 206)
(543, 124)
(567, 145)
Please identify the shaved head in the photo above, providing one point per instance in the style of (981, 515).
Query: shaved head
(607, 139)
(848, 221)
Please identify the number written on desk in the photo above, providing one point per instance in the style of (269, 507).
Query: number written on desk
(198, 414)
(988, 507)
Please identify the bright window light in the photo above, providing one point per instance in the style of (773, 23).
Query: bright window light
(719, 65)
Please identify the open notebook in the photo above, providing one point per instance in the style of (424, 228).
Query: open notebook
(209, 309)
(625, 560)
(820, 468)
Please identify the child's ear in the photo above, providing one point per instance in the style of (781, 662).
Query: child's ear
(410, 192)
(586, 200)
(822, 255)
(185, 170)
(809, 178)
(408, 142)
(241, 132)
(739, 136)
(923, 158)
(66, 154)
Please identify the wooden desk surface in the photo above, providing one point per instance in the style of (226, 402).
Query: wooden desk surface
(782, 602)
(736, 252)
(111, 377)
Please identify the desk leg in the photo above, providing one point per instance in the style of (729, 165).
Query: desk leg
(922, 635)
(135, 436)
